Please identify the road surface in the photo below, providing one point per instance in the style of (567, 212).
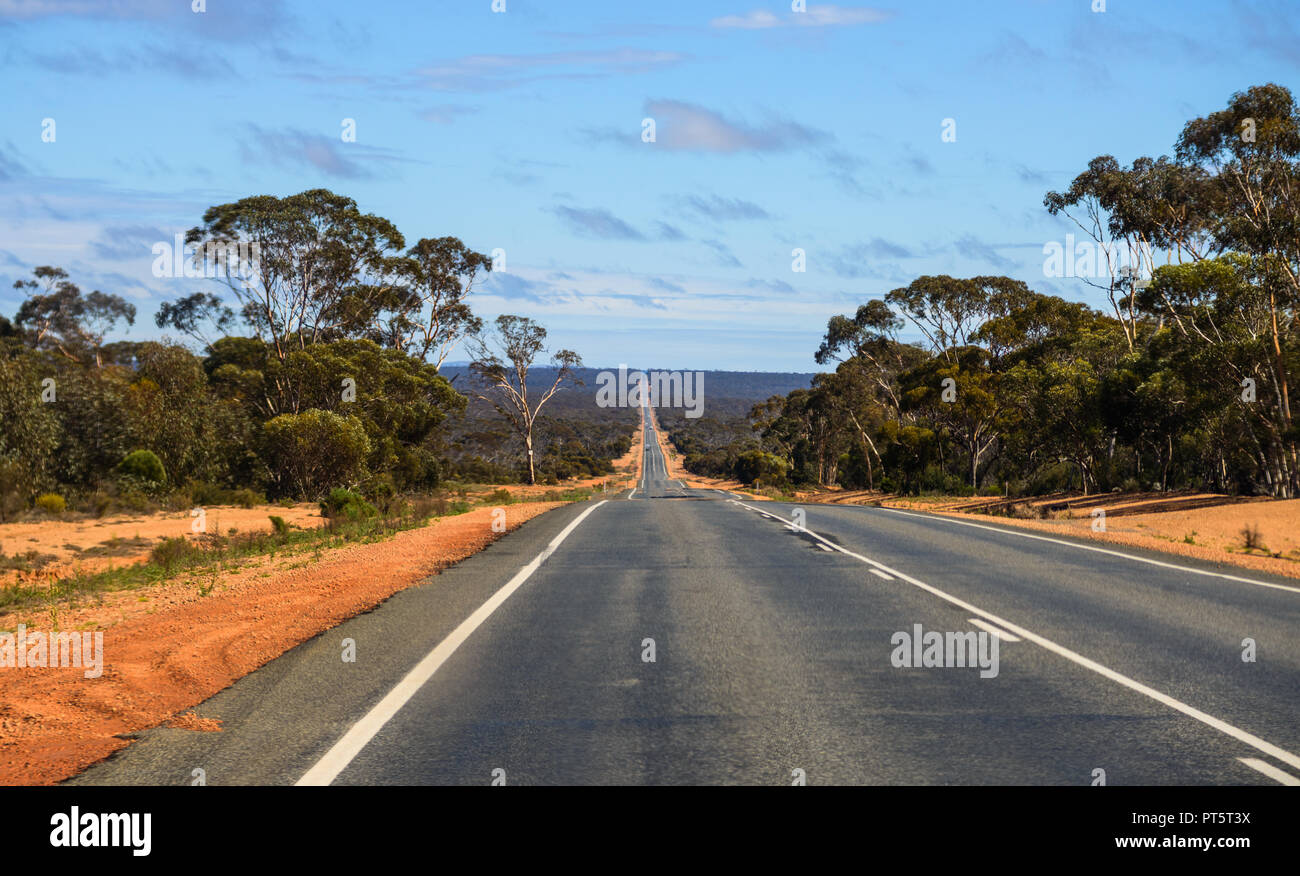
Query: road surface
(682, 636)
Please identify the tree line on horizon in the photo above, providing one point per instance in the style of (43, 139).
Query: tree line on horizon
(1184, 384)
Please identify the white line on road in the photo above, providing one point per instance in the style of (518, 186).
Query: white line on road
(337, 758)
(1087, 547)
(989, 628)
(1075, 657)
(879, 574)
(1269, 770)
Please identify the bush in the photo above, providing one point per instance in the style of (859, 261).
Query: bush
(51, 503)
(759, 467)
(500, 496)
(308, 451)
(201, 493)
(246, 498)
(346, 504)
(144, 465)
(279, 524)
(174, 552)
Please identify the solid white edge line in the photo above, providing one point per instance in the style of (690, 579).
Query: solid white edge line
(1088, 547)
(880, 574)
(1269, 770)
(350, 745)
(989, 628)
(1223, 727)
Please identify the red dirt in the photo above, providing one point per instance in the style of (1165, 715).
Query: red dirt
(1156, 521)
(165, 656)
(191, 721)
(124, 539)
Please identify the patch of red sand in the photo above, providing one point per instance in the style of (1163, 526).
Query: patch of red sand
(162, 661)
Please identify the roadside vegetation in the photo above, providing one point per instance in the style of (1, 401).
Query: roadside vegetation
(201, 559)
(1185, 383)
(319, 370)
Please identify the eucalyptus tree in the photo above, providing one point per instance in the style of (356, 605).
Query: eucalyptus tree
(502, 360)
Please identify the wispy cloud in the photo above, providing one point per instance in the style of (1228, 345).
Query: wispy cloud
(446, 113)
(83, 61)
(687, 126)
(227, 20)
(597, 222)
(973, 248)
(122, 242)
(478, 73)
(723, 252)
(780, 287)
(293, 148)
(10, 167)
(669, 232)
(719, 208)
(660, 283)
(815, 16)
(876, 257)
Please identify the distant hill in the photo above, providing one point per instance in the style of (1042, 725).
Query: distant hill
(725, 392)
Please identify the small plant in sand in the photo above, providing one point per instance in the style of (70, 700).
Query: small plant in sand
(1251, 538)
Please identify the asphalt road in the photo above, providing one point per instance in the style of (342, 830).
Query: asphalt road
(678, 636)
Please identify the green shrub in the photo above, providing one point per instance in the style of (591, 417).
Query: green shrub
(279, 525)
(308, 451)
(246, 498)
(499, 496)
(51, 503)
(175, 552)
(144, 465)
(759, 467)
(346, 504)
(201, 493)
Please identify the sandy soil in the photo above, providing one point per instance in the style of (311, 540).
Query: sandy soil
(169, 648)
(90, 544)
(1215, 532)
(79, 544)
(1161, 522)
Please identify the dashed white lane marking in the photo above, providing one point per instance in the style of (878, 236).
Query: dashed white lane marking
(879, 574)
(1223, 727)
(341, 754)
(989, 628)
(1086, 547)
(1269, 770)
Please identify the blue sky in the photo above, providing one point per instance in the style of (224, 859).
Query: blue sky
(521, 130)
